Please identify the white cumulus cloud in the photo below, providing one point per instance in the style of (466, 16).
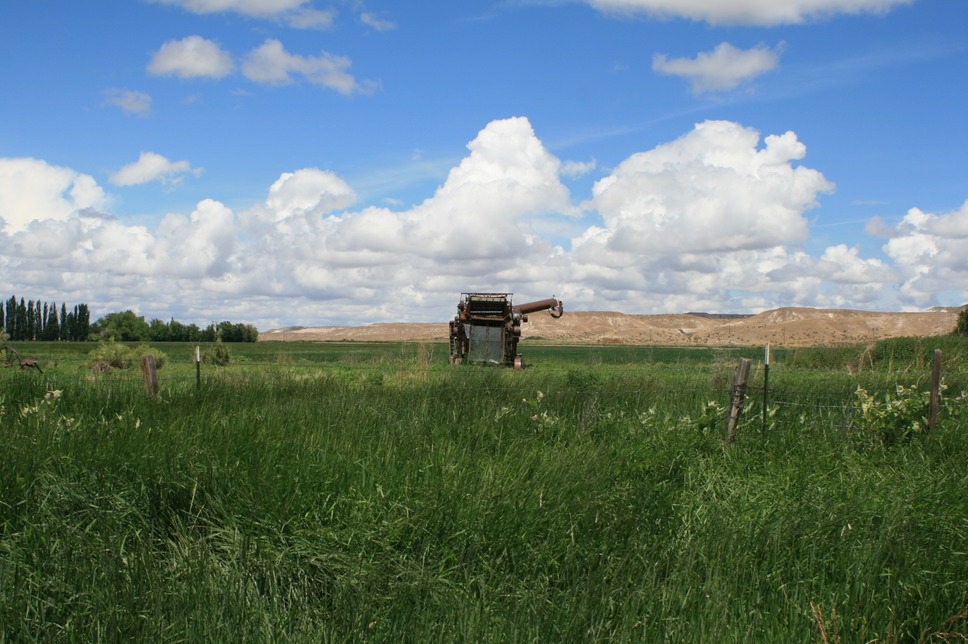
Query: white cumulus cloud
(724, 68)
(271, 63)
(32, 189)
(931, 253)
(151, 166)
(711, 190)
(844, 265)
(713, 220)
(309, 191)
(747, 12)
(508, 174)
(191, 57)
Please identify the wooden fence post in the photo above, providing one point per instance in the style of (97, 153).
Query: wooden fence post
(766, 383)
(739, 396)
(150, 371)
(935, 390)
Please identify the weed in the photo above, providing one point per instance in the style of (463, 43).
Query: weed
(218, 354)
(583, 380)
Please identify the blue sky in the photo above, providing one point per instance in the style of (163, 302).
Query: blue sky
(283, 162)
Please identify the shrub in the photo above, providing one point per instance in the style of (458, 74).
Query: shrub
(582, 380)
(895, 417)
(217, 355)
(120, 356)
(160, 356)
(113, 354)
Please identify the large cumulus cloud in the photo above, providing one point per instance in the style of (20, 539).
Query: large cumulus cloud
(466, 233)
(33, 189)
(712, 190)
(930, 252)
(714, 220)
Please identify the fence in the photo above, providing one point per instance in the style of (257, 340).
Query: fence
(754, 395)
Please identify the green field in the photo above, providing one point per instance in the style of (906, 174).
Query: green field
(372, 492)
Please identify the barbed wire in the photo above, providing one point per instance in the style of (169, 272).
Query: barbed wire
(427, 374)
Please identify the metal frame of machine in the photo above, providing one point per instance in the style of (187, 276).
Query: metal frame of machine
(487, 328)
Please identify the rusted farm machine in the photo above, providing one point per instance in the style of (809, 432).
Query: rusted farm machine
(487, 328)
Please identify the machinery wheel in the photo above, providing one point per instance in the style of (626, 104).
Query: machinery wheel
(518, 362)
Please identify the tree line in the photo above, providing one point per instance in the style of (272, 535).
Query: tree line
(130, 327)
(36, 320)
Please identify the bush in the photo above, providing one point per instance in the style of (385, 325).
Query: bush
(160, 356)
(113, 354)
(217, 355)
(120, 356)
(895, 417)
(582, 380)
(899, 417)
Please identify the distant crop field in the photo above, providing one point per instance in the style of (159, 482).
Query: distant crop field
(373, 492)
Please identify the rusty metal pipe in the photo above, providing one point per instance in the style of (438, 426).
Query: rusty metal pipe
(552, 303)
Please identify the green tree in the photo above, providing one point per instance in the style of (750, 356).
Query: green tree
(124, 326)
(158, 331)
(193, 333)
(21, 329)
(239, 332)
(29, 326)
(12, 316)
(961, 328)
(52, 326)
(83, 322)
(178, 331)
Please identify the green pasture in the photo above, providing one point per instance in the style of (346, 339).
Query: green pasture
(348, 492)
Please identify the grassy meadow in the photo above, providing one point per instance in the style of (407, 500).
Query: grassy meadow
(352, 492)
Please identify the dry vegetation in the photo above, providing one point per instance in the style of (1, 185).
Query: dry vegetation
(784, 327)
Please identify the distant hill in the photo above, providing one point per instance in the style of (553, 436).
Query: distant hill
(790, 326)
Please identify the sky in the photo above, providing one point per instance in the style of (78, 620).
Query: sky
(331, 162)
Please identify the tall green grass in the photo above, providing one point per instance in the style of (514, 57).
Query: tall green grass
(395, 499)
(893, 354)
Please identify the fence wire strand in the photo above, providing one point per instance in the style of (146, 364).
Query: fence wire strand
(787, 388)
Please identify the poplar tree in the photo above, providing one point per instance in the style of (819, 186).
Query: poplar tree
(29, 328)
(12, 316)
(961, 328)
(83, 322)
(52, 327)
(21, 320)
